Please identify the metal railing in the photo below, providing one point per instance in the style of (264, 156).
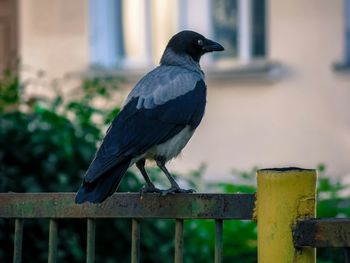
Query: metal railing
(56, 206)
(284, 208)
(323, 233)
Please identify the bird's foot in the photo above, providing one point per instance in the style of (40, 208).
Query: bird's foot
(150, 189)
(176, 190)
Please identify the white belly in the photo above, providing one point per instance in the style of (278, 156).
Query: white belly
(172, 147)
(169, 149)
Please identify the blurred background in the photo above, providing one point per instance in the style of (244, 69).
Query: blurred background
(277, 96)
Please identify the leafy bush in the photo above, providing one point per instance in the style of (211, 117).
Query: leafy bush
(333, 201)
(46, 145)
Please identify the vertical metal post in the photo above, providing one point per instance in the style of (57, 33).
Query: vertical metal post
(347, 254)
(218, 240)
(17, 248)
(283, 196)
(52, 241)
(135, 241)
(179, 240)
(90, 240)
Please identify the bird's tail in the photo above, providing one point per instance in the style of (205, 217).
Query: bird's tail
(103, 187)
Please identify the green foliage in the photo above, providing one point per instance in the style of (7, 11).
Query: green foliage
(9, 91)
(243, 182)
(46, 146)
(333, 201)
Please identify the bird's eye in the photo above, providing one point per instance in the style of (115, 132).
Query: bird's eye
(200, 42)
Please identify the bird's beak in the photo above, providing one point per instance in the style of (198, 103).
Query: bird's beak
(210, 46)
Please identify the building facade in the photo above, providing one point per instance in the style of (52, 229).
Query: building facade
(279, 96)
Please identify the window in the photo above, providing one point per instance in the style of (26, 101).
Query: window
(105, 33)
(347, 31)
(345, 64)
(240, 26)
(133, 33)
(225, 26)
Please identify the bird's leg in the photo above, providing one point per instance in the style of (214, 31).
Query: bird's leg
(175, 188)
(150, 188)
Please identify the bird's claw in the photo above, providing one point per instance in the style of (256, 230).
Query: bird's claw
(171, 190)
(149, 189)
(175, 190)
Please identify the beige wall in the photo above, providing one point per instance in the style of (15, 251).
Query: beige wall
(53, 36)
(302, 119)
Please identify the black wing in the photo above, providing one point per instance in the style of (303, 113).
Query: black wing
(134, 131)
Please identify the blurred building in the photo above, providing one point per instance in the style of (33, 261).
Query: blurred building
(278, 96)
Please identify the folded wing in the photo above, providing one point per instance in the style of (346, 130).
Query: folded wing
(140, 125)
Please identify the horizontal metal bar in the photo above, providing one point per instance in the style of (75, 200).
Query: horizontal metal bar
(128, 205)
(333, 232)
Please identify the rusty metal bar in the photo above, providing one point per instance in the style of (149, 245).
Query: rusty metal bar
(52, 241)
(347, 254)
(334, 232)
(17, 248)
(90, 240)
(179, 240)
(218, 240)
(135, 241)
(128, 205)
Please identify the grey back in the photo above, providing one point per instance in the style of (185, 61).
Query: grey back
(162, 84)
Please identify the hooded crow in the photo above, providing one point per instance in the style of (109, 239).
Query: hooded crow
(159, 117)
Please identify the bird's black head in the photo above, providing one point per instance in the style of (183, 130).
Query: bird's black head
(193, 44)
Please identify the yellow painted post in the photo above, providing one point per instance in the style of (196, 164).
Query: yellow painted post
(283, 196)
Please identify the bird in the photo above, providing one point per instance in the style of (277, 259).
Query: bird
(158, 118)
